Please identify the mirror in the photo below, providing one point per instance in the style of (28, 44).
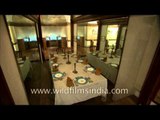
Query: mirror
(108, 55)
(23, 37)
(55, 34)
(24, 40)
(86, 38)
(111, 46)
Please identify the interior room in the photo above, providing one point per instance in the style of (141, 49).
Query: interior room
(80, 59)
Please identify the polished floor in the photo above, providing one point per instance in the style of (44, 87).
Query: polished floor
(39, 77)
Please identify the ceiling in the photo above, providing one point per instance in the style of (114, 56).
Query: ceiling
(55, 19)
(18, 19)
(45, 19)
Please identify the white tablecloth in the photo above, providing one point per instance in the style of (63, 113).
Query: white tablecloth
(25, 68)
(71, 95)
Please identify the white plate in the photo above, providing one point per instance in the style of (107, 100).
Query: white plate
(55, 64)
(101, 58)
(20, 61)
(114, 65)
(81, 81)
(21, 65)
(58, 75)
(80, 61)
(90, 69)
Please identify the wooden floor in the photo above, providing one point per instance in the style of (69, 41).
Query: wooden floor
(40, 77)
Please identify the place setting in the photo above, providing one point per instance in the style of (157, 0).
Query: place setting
(89, 68)
(58, 75)
(80, 80)
(80, 61)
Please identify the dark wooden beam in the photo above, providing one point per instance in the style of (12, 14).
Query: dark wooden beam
(86, 18)
(99, 35)
(72, 33)
(33, 24)
(20, 24)
(82, 17)
(122, 21)
(32, 17)
(118, 36)
(55, 24)
(40, 37)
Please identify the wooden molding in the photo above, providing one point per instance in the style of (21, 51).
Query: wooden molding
(32, 17)
(122, 21)
(86, 18)
(20, 24)
(55, 24)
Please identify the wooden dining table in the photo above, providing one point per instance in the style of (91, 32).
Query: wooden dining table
(64, 95)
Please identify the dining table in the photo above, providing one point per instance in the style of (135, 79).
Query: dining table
(86, 84)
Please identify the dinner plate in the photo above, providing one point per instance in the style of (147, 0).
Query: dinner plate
(94, 54)
(58, 75)
(80, 61)
(55, 64)
(81, 80)
(21, 62)
(114, 65)
(90, 69)
(21, 65)
(101, 58)
(19, 59)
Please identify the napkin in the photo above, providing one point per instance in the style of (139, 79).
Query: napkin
(52, 55)
(55, 59)
(85, 61)
(69, 82)
(98, 71)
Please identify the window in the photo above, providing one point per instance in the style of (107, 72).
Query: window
(26, 39)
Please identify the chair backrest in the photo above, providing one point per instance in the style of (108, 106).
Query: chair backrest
(85, 61)
(81, 41)
(81, 51)
(44, 43)
(105, 59)
(118, 52)
(21, 45)
(64, 43)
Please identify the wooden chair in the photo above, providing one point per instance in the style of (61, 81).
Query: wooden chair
(21, 47)
(44, 43)
(91, 46)
(105, 59)
(81, 52)
(63, 45)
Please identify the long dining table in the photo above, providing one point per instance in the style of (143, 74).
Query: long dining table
(64, 95)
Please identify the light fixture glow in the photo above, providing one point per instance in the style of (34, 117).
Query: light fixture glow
(92, 22)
